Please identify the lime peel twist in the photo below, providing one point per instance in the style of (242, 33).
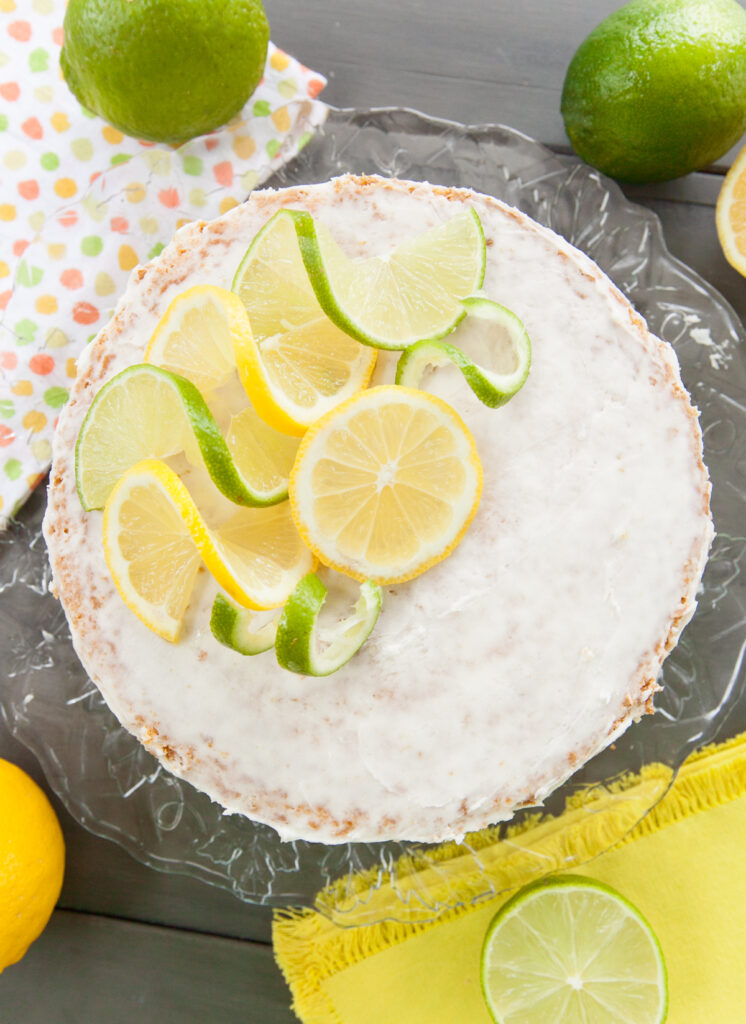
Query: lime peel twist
(491, 388)
(294, 635)
(198, 435)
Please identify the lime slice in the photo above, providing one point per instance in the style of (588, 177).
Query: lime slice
(298, 364)
(146, 412)
(572, 950)
(506, 344)
(154, 538)
(303, 646)
(235, 627)
(389, 302)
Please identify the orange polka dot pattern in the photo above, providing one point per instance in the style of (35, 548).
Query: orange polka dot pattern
(82, 205)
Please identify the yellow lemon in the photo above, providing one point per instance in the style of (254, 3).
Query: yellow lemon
(32, 862)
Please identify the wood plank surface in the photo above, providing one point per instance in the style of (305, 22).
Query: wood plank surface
(107, 956)
(474, 61)
(86, 968)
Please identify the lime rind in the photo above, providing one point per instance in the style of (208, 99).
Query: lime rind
(331, 274)
(231, 626)
(491, 388)
(298, 644)
(192, 429)
(290, 336)
(551, 949)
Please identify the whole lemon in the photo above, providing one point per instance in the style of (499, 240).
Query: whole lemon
(658, 89)
(32, 862)
(164, 70)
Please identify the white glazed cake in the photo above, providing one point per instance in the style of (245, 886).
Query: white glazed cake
(488, 679)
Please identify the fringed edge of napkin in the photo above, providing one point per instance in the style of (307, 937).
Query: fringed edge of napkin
(310, 947)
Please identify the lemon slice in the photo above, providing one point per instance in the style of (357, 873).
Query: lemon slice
(146, 412)
(154, 538)
(194, 337)
(303, 646)
(306, 364)
(390, 302)
(570, 950)
(385, 485)
(507, 345)
(730, 216)
(237, 628)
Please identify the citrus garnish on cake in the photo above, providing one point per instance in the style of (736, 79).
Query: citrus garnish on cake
(292, 375)
(154, 538)
(411, 293)
(145, 412)
(386, 485)
(489, 677)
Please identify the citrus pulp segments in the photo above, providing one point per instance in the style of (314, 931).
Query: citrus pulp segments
(154, 538)
(411, 294)
(194, 337)
(572, 949)
(299, 364)
(386, 485)
(147, 412)
(298, 642)
(492, 387)
(730, 214)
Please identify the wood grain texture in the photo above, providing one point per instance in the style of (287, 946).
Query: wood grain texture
(86, 968)
(475, 61)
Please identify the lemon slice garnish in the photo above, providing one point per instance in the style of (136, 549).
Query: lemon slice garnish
(385, 485)
(154, 538)
(301, 369)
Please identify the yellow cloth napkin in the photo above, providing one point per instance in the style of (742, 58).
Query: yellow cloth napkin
(684, 866)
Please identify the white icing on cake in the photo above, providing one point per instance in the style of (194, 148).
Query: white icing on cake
(495, 674)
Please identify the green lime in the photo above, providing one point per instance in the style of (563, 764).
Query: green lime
(658, 89)
(506, 344)
(303, 646)
(165, 70)
(145, 412)
(237, 627)
(363, 298)
(572, 949)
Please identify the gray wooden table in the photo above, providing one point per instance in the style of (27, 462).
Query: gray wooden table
(128, 943)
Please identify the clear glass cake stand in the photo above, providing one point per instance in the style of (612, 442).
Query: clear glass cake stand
(117, 790)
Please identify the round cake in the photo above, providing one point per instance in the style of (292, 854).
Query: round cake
(491, 677)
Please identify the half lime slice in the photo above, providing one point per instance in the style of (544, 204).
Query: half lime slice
(572, 950)
(391, 301)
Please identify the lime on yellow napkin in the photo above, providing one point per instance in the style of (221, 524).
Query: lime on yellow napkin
(683, 866)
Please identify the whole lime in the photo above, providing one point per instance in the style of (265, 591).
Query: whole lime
(164, 70)
(658, 89)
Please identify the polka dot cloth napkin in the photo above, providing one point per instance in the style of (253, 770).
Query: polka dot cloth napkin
(81, 205)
